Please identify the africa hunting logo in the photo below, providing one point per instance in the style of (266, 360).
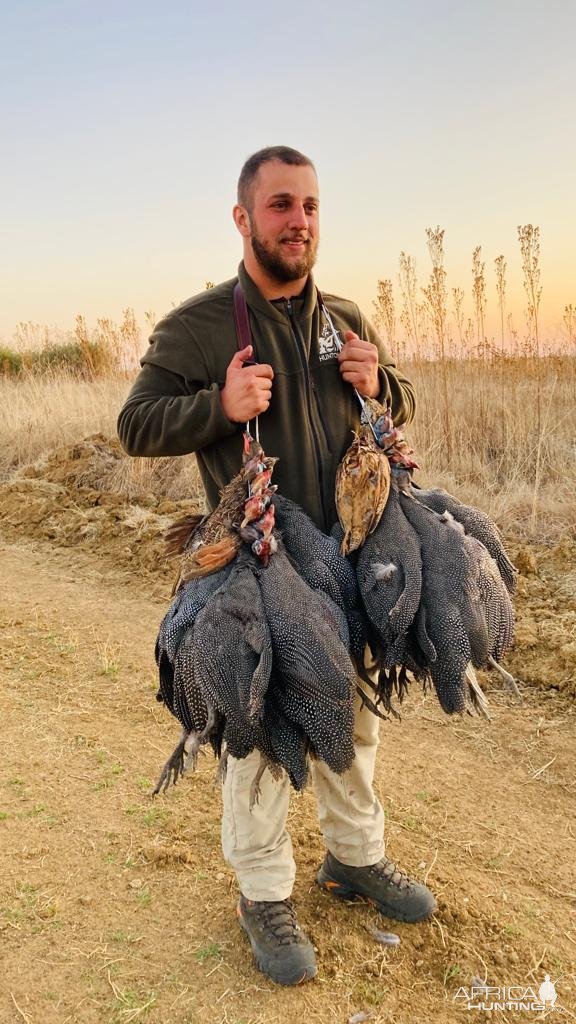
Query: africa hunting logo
(481, 996)
(327, 344)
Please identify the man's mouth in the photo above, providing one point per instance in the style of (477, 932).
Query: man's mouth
(295, 243)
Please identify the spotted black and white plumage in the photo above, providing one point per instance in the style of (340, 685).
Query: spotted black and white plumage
(318, 561)
(232, 659)
(282, 740)
(389, 572)
(465, 613)
(190, 707)
(189, 600)
(260, 661)
(318, 680)
(476, 524)
(258, 656)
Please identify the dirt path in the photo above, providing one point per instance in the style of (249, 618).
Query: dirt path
(117, 908)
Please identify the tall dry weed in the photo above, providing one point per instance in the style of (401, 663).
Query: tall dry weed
(496, 441)
(529, 239)
(436, 299)
(479, 293)
(385, 316)
(500, 264)
(458, 314)
(38, 413)
(569, 319)
(410, 315)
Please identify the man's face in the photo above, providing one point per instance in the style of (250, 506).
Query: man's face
(283, 218)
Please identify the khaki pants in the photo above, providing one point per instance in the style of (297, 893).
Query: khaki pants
(256, 844)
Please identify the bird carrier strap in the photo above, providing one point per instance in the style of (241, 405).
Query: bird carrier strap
(244, 337)
(242, 321)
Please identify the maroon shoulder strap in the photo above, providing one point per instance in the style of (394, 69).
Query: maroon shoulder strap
(242, 322)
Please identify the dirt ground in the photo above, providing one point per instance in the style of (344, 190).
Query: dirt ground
(117, 907)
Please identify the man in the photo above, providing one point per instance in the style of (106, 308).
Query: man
(194, 393)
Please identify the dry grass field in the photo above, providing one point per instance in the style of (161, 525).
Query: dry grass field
(117, 907)
(494, 455)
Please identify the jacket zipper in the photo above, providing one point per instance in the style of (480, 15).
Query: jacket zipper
(309, 387)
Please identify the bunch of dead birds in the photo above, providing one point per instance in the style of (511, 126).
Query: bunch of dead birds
(264, 641)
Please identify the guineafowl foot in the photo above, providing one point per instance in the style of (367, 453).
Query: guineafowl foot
(181, 760)
(173, 768)
(476, 694)
(367, 703)
(509, 681)
(191, 749)
(222, 767)
(255, 793)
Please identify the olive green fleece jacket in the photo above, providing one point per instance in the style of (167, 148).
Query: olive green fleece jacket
(174, 406)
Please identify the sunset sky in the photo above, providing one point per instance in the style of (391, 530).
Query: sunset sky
(124, 127)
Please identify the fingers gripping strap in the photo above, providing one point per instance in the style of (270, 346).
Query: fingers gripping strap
(244, 334)
(242, 322)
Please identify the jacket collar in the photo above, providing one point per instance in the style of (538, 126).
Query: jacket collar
(257, 302)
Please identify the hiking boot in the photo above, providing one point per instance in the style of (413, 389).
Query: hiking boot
(384, 886)
(281, 950)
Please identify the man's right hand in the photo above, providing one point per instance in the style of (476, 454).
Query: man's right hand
(248, 389)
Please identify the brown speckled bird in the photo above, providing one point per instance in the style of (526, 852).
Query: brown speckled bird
(362, 483)
(208, 543)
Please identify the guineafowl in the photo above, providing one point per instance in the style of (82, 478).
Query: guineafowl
(317, 559)
(476, 523)
(466, 614)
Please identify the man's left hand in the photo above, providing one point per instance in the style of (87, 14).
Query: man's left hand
(359, 365)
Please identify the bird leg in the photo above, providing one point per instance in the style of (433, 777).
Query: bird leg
(509, 680)
(174, 766)
(476, 694)
(255, 793)
(185, 753)
(196, 739)
(364, 670)
(387, 684)
(211, 721)
(191, 748)
(368, 703)
(222, 767)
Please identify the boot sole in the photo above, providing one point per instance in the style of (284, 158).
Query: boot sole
(268, 967)
(351, 896)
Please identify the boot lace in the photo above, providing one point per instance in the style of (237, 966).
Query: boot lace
(390, 873)
(280, 920)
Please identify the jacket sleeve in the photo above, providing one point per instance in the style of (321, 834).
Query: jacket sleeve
(394, 386)
(166, 413)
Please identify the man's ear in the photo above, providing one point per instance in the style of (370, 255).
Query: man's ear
(242, 220)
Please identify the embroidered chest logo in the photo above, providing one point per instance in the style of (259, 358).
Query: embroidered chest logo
(327, 346)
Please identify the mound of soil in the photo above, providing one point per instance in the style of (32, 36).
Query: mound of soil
(77, 496)
(544, 652)
(71, 496)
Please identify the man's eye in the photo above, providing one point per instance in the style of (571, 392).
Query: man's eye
(311, 208)
(281, 205)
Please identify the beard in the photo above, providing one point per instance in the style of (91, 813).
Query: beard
(277, 267)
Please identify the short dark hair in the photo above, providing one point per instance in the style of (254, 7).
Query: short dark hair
(284, 154)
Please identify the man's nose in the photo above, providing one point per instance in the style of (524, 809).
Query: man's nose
(299, 218)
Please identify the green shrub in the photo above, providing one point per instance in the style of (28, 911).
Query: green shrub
(85, 359)
(11, 362)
